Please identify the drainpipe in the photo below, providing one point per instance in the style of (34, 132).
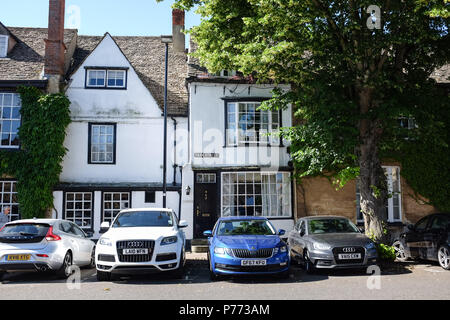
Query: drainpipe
(180, 193)
(175, 165)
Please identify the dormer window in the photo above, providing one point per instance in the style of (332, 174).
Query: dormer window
(3, 46)
(106, 78)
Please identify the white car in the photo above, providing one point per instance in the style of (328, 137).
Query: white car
(141, 241)
(44, 245)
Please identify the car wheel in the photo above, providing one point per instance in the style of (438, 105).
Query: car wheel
(308, 265)
(212, 275)
(444, 257)
(179, 272)
(103, 276)
(65, 271)
(399, 251)
(92, 264)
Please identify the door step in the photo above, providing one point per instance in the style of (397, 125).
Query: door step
(199, 245)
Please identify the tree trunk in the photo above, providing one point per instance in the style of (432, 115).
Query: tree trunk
(372, 180)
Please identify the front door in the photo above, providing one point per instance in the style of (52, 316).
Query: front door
(205, 203)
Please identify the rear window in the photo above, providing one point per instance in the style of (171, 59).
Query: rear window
(24, 229)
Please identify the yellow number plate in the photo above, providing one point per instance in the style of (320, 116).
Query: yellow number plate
(19, 257)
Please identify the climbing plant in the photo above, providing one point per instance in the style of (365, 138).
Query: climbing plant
(37, 164)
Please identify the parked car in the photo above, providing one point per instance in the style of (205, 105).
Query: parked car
(329, 242)
(44, 245)
(428, 239)
(141, 241)
(246, 245)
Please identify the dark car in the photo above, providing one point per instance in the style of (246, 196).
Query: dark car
(428, 239)
(330, 242)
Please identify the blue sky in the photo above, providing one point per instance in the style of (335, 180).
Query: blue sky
(118, 17)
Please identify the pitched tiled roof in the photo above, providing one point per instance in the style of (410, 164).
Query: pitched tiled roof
(26, 60)
(146, 55)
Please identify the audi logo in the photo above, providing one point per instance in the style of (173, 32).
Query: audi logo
(347, 250)
(135, 244)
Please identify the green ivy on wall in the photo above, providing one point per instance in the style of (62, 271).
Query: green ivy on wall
(37, 165)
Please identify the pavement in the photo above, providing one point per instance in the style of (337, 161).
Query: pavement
(411, 280)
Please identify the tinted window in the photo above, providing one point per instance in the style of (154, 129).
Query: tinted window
(331, 226)
(245, 227)
(39, 230)
(422, 224)
(144, 219)
(440, 222)
(78, 231)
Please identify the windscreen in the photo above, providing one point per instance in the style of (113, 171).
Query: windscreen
(331, 226)
(144, 219)
(245, 227)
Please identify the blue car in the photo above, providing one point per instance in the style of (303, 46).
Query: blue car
(246, 246)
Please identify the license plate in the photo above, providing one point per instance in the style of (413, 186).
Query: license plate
(19, 257)
(253, 262)
(135, 251)
(349, 256)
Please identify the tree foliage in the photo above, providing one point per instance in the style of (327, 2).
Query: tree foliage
(37, 165)
(351, 81)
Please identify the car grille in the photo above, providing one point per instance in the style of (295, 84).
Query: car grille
(135, 244)
(340, 250)
(260, 253)
(237, 268)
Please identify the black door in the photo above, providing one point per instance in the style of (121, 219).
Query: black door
(205, 203)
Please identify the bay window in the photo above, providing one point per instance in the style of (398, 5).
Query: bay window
(266, 194)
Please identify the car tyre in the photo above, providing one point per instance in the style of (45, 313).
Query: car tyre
(444, 257)
(91, 265)
(212, 275)
(179, 272)
(103, 276)
(400, 253)
(65, 271)
(308, 265)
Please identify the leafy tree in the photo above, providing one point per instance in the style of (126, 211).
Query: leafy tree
(354, 71)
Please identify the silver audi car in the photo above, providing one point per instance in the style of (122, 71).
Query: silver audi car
(330, 242)
(44, 245)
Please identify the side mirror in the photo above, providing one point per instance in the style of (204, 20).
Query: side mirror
(302, 233)
(362, 230)
(410, 227)
(182, 224)
(281, 232)
(89, 234)
(104, 227)
(208, 233)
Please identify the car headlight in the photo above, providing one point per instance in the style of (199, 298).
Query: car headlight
(370, 246)
(219, 250)
(105, 242)
(283, 249)
(321, 246)
(169, 240)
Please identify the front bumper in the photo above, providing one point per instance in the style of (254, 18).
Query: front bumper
(229, 265)
(328, 260)
(163, 258)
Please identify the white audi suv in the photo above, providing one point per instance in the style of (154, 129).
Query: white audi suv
(141, 241)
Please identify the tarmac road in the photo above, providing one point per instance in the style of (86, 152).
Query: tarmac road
(410, 280)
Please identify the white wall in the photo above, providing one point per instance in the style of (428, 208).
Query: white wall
(207, 125)
(139, 146)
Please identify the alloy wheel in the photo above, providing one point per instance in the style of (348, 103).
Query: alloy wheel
(399, 251)
(444, 257)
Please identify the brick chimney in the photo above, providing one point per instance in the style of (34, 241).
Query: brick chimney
(177, 30)
(54, 45)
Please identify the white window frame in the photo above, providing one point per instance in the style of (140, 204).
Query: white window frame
(89, 85)
(273, 191)
(396, 196)
(122, 202)
(100, 145)
(15, 104)
(83, 208)
(4, 46)
(123, 72)
(13, 203)
(233, 130)
(206, 178)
